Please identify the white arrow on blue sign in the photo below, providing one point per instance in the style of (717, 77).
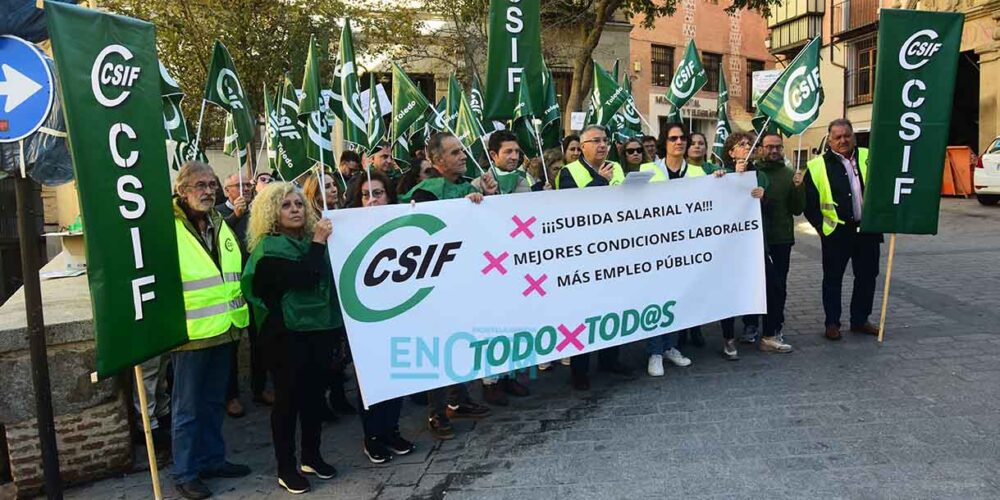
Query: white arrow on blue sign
(25, 89)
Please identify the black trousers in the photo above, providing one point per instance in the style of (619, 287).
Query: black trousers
(299, 363)
(862, 250)
(776, 275)
(580, 364)
(380, 420)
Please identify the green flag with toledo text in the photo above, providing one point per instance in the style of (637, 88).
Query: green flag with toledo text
(454, 99)
(793, 102)
(607, 96)
(355, 129)
(284, 127)
(917, 60)
(123, 186)
(408, 103)
(224, 89)
(688, 79)
(513, 55)
(722, 126)
(313, 111)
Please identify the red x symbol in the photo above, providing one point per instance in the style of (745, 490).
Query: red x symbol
(495, 262)
(535, 285)
(570, 338)
(523, 227)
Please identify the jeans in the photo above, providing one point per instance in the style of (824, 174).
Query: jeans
(661, 343)
(776, 272)
(199, 398)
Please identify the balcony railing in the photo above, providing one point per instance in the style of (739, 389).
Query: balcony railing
(851, 15)
(860, 86)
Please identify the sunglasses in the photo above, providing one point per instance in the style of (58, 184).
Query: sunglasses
(676, 138)
(633, 151)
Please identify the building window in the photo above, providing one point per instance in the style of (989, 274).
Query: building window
(861, 72)
(752, 66)
(662, 65)
(713, 65)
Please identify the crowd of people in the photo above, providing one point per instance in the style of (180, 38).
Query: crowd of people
(254, 264)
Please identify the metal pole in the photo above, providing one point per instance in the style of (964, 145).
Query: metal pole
(36, 338)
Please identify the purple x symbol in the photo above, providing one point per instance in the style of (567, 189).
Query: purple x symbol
(495, 262)
(523, 227)
(535, 285)
(570, 338)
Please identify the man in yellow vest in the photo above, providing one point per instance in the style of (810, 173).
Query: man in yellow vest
(592, 170)
(835, 184)
(211, 264)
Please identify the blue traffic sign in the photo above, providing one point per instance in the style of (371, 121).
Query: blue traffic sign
(25, 89)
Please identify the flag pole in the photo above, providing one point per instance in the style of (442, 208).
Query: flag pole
(757, 139)
(797, 155)
(466, 148)
(885, 290)
(541, 152)
(322, 166)
(148, 433)
(197, 133)
(257, 163)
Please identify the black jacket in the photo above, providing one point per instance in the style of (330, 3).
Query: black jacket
(840, 186)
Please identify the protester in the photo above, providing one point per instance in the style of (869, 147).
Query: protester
(261, 180)
(835, 184)
(697, 152)
(571, 148)
(236, 213)
(289, 282)
(348, 166)
(786, 199)
(448, 157)
(382, 161)
(633, 155)
(312, 192)
(210, 266)
(734, 159)
(420, 170)
(649, 144)
(506, 155)
(364, 193)
(581, 173)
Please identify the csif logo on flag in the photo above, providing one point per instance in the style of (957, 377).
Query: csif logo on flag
(683, 85)
(389, 275)
(802, 94)
(228, 86)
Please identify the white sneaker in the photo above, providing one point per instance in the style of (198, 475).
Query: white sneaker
(544, 366)
(676, 357)
(564, 361)
(655, 366)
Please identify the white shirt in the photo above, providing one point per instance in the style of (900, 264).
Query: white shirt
(851, 167)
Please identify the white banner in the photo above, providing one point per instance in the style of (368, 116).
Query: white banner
(450, 291)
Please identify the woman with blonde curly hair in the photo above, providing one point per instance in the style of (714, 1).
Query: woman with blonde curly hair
(288, 282)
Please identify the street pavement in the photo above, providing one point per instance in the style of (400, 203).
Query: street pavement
(917, 417)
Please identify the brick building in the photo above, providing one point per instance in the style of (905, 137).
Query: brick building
(729, 44)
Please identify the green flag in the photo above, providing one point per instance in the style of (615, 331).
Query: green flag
(523, 122)
(550, 105)
(630, 123)
(231, 144)
(615, 71)
(313, 110)
(271, 141)
(514, 54)
(793, 102)
(722, 126)
(376, 125)
(689, 78)
(468, 131)
(408, 103)
(918, 56)
(355, 128)
(436, 118)
(607, 97)
(287, 133)
(173, 118)
(183, 152)
(124, 190)
(476, 102)
(223, 89)
(454, 98)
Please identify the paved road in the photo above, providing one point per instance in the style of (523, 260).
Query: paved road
(918, 417)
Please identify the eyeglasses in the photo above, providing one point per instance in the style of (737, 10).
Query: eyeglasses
(633, 151)
(597, 140)
(374, 193)
(204, 186)
(676, 138)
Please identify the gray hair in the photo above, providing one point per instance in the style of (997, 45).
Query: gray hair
(594, 126)
(840, 122)
(188, 170)
(435, 145)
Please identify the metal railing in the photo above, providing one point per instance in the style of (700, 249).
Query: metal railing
(860, 86)
(850, 15)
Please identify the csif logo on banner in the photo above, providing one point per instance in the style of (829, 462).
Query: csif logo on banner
(417, 264)
(111, 79)
(801, 101)
(916, 51)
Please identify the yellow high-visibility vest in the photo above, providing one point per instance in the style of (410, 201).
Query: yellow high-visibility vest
(660, 173)
(828, 207)
(213, 301)
(582, 177)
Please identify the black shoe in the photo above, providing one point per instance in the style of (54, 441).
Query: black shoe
(440, 428)
(580, 382)
(398, 445)
(514, 388)
(618, 369)
(376, 451)
(228, 470)
(338, 402)
(193, 490)
(492, 394)
(294, 482)
(467, 409)
(697, 339)
(319, 468)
